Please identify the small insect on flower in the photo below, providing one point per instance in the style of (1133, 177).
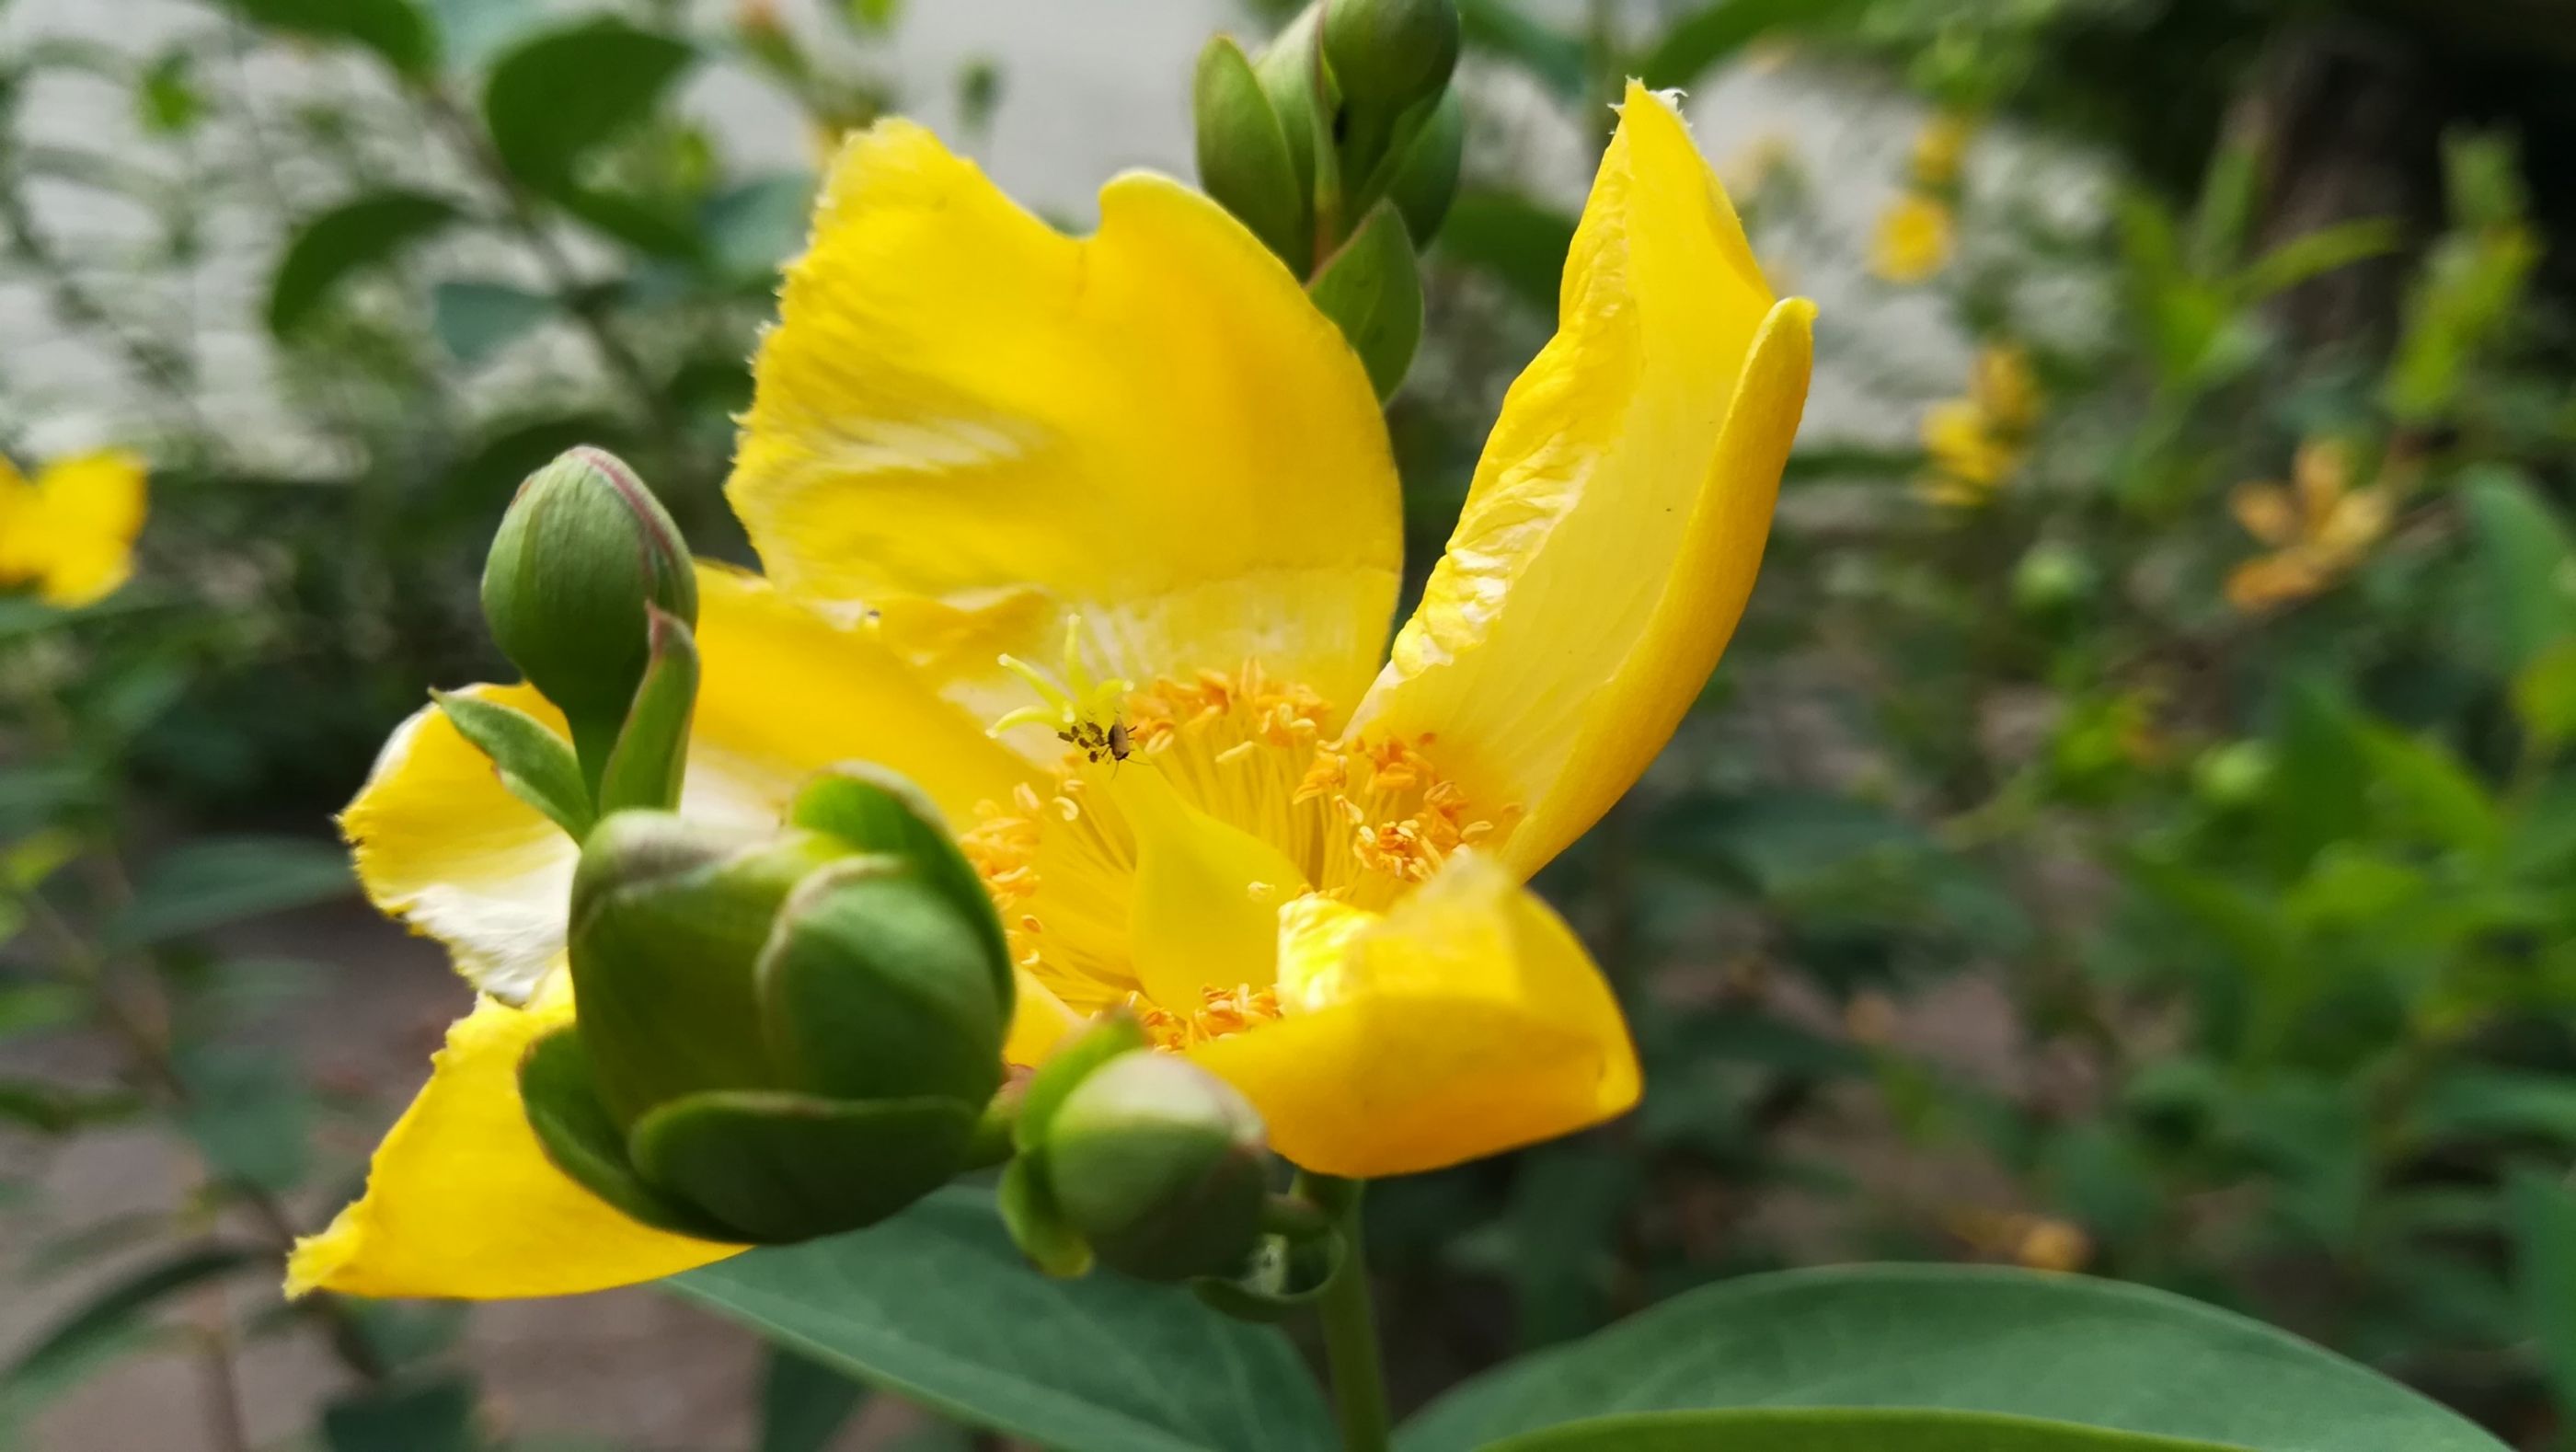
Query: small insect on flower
(1096, 742)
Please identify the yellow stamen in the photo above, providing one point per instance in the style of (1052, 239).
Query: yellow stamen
(1361, 822)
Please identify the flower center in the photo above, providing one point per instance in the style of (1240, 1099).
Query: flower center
(1360, 820)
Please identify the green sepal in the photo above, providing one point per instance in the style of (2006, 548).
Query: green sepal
(1291, 72)
(1373, 290)
(783, 1167)
(651, 758)
(561, 1101)
(874, 986)
(877, 810)
(535, 765)
(1037, 1227)
(1103, 1039)
(1426, 172)
(1243, 155)
(669, 919)
(1282, 1278)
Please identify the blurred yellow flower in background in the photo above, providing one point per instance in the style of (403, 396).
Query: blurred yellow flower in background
(2319, 527)
(1916, 236)
(70, 532)
(1977, 442)
(1939, 148)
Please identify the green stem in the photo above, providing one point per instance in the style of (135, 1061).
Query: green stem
(1350, 1340)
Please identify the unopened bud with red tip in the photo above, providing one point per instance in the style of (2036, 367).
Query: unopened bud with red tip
(583, 552)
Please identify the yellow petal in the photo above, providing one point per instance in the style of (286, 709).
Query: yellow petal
(1039, 1022)
(2266, 512)
(1615, 523)
(1208, 894)
(783, 693)
(443, 846)
(1914, 240)
(462, 1203)
(977, 425)
(72, 532)
(1465, 1022)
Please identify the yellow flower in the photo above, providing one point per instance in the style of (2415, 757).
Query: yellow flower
(1914, 239)
(71, 532)
(1976, 442)
(974, 438)
(2319, 528)
(1938, 149)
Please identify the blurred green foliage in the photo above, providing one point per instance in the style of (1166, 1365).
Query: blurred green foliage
(2134, 830)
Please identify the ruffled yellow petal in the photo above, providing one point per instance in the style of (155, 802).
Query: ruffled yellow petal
(462, 1203)
(72, 532)
(442, 845)
(1465, 1022)
(977, 425)
(1615, 523)
(783, 693)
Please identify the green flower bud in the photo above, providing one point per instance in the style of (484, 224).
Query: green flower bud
(783, 1033)
(1160, 1166)
(1389, 54)
(583, 550)
(669, 920)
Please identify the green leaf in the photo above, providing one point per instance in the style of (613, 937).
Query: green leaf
(803, 1402)
(2426, 790)
(44, 1108)
(101, 1322)
(248, 1113)
(936, 1306)
(2054, 1348)
(559, 96)
(754, 226)
(436, 1417)
(2327, 249)
(476, 320)
(1372, 289)
(1692, 45)
(1520, 242)
(535, 764)
(2543, 1215)
(2530, 563)
(393, 29)
(2544, 695)
(166, 95)
(1834, 1431)
(357, 234)
(226, 879)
